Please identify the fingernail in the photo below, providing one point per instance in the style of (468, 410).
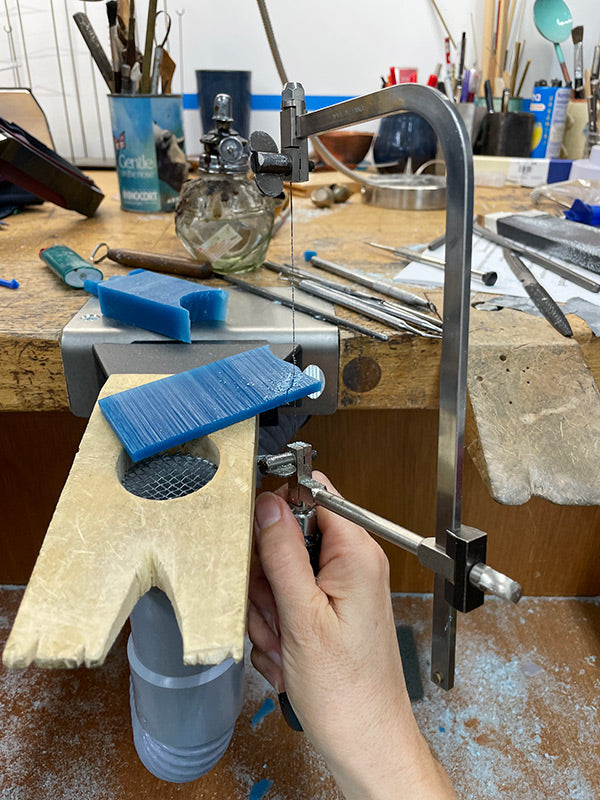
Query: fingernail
(275, 657)
(270, 620)
(267, 511)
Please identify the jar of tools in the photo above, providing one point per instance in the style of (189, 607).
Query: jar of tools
(221, 216)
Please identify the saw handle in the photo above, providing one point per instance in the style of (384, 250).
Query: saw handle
(312, 539)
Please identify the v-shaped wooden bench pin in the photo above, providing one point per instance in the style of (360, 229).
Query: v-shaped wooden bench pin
(106, 547)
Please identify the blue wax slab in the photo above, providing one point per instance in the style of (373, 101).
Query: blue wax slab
(158, 415)
(160, 303)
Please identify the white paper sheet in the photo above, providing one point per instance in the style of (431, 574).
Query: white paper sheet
(488, 257)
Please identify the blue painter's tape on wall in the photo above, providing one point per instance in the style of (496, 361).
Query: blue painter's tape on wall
(272, 102)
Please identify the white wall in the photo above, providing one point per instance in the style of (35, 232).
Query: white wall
(338, 48)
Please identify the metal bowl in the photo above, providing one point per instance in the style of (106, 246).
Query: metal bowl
(406, 192)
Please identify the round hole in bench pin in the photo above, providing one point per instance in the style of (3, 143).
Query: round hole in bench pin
(168, 475)
(314, 371)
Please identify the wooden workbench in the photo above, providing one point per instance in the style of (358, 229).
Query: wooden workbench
(379, 447)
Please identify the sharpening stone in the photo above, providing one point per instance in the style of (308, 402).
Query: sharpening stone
(556, 238)
(159, 303)
(156, 416)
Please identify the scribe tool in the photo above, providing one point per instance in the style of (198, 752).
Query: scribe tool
(356, 304)
(489, 278)
(384, 287)
(538, 294)
(409, 315)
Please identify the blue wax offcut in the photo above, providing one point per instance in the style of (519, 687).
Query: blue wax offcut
(267, 707)
(160, 303)
(158, 415)
(584, 212)
(260, 789)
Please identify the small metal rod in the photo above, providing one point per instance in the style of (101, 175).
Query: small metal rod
(427, 323)
(406, 253)
(298, 305)
(409, 315)
(180, 30)
(25, 55)
(389, 531)
(406, 308)
(11, 46)
(383, 287)
(482, 576)
(346, 301)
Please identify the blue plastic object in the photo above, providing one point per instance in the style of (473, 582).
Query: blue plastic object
(159, 303)
(158, 415)
(584, 212)
(308, 254)
(260, 789)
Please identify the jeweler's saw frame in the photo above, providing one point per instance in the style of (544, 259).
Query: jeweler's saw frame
(457, 555)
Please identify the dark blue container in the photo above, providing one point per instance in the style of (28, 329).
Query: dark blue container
(403, 136)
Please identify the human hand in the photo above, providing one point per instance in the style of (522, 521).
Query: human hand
(330, 642)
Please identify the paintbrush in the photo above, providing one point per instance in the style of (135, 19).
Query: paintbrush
(577, 37)
(115, 45)
(131, 50)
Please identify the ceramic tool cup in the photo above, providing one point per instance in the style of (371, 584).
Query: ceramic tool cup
(505, 134)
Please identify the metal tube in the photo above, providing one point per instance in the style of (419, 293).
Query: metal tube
(490, 580)
(372, 283)
(481, 576)
(389, 531)
(182, 716)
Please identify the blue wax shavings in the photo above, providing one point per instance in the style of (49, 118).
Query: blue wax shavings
(267, 707)
(160, 303)
(260, 789)
(158, 415)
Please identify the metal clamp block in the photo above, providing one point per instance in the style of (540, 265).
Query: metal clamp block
(466, 549)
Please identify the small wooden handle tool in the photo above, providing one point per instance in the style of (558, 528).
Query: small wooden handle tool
(156, 262)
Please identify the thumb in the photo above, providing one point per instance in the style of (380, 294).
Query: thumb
(283, 555)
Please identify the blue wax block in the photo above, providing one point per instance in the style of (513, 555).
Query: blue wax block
(158, 415)
(159, 303)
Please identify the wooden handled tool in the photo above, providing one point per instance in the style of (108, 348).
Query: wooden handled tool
(156, 262)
